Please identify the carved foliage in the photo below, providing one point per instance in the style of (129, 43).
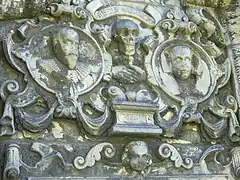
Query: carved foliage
(94, 155)
(102, 73)
(169, 151)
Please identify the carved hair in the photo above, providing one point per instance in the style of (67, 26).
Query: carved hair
(66, 32)
(128, 150)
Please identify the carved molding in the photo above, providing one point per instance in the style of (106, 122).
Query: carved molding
(130, 73)
(175, 68)
(136, 157)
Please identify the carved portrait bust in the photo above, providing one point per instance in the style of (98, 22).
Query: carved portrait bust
(62, 64)
(66, 47)
(119, 89)
(181, 62)
(184, 74)
(63, 71)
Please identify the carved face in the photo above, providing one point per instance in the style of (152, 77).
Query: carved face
(66, 44)
(181, 59)
(139, 157)
(125, 33)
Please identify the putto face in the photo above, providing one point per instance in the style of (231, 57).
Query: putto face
(67, 47)
(181, 59)
(140, 156)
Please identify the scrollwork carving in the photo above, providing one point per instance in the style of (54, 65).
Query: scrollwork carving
(12, 168)
(103, 9)
(14, 160)
(212, 149)
(94, 155)
(235, 160)
(65, 61)
(122, 68)
(185, 38)
(7, 120)
(168, 151)
(118, 68)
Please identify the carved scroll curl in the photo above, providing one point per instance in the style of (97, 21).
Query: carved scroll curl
(12, 168)
(235, 160)
(9, 86)
(94, 155)
(168, 151)
(8, 89)
(59, 9)
(212, 149)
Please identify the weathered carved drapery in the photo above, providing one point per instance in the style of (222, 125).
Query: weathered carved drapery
(119, 89)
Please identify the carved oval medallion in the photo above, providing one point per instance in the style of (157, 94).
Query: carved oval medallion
(63, 60)
(184, 71)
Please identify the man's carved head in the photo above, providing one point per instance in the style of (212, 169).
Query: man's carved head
(180, 60)
(66, 46)
(125, 33)
(137, 156)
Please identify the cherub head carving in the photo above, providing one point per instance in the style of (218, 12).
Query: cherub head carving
(137, 156)
(66, 46)
(125, 33)
(181, 63)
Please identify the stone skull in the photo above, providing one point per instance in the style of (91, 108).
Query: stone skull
(125, 33)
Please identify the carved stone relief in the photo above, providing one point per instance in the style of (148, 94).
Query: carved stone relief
(130, 87)
(138, 159)
(137, 156)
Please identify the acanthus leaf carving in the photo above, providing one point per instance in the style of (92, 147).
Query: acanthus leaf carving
(102, 74)
(128, 69)
(95, 155)
(212, 149)
(169, 151)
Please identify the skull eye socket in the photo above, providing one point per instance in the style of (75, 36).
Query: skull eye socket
(144, 156)
(135, 32)
(125, 32)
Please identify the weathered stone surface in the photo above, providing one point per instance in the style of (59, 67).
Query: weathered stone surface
(119, 90)
(18, 9)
